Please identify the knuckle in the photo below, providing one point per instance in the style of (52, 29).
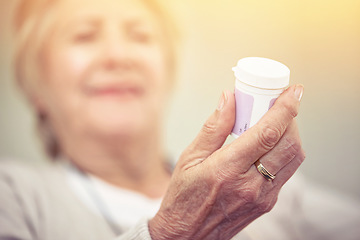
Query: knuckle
(250, 196)
(251, 192)
(291, 109)
(293, 147)
(302, 156)
(269, 137)
(209, 128)
(219, 178)
(225, 177)
(264, 207)
(267, 205)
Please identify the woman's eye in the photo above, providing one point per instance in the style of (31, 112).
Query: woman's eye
(141, 36)
(85, 37)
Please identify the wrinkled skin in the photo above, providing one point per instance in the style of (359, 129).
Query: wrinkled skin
(216, 191)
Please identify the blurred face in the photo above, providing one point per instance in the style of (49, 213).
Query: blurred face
(104, 68)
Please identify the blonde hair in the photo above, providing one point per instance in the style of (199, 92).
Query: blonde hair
(32, 22)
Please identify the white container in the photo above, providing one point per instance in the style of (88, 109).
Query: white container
(259, 82)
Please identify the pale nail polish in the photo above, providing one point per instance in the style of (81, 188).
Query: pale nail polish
(299, 90)
(222, 101)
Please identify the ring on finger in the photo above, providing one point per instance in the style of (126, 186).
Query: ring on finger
(263, 171)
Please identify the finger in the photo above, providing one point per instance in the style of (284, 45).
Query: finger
(287, 171)
(285, 150)
(264, 135)
(215, 130)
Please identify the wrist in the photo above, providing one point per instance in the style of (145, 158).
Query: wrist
(161, 229)
(157, 230)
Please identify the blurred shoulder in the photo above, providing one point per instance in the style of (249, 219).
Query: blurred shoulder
(21, 174)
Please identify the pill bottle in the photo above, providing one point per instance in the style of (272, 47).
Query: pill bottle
(259, 82)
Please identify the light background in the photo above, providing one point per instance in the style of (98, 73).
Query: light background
(318, 40)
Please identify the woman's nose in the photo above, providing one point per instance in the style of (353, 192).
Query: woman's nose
(116, 51)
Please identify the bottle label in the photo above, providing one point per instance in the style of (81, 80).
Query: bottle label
(244, 106)
(272, 102)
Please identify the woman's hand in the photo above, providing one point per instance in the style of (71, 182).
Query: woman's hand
(216, 191)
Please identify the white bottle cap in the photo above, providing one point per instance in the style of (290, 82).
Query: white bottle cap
(262, 73)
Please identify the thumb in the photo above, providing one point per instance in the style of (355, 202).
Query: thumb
(263, 136)
(214, 132)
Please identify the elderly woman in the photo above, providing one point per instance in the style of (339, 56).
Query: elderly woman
(98, 74)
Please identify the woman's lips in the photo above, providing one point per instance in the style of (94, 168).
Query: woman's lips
(115, 91)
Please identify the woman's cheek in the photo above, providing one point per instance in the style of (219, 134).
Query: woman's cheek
(77, 62)
(158, 66)
(68, 70)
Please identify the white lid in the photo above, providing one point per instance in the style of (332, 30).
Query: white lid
(262, 73)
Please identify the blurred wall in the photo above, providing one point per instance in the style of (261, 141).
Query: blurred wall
(319, 40)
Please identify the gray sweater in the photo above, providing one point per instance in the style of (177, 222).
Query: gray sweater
(37, 203)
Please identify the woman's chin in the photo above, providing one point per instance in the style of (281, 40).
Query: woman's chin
(124, 127)
(120, 121)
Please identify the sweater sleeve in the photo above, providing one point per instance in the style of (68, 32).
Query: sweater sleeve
(15, 224)
(138, 232)
(12, 218)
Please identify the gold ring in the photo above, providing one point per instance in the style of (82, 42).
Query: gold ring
(267, 175)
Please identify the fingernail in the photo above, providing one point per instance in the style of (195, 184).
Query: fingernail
(299, 90)
(222, 101)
